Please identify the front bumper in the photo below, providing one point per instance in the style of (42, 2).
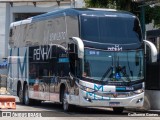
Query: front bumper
(90, 99)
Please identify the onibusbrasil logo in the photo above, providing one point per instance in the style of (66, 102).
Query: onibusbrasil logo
(20, 114)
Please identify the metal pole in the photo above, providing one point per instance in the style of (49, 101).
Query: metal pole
(6, 83)
(142, 20)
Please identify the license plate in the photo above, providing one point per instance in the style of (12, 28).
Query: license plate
(114, 103)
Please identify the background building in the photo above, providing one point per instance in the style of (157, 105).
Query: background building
(14, 10)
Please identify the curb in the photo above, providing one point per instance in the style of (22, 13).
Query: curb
(7, 102)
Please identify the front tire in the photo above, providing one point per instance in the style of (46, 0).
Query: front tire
(66, 106)
(118, 110)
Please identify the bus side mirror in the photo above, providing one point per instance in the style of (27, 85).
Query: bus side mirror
(153, 49)
(80, 46)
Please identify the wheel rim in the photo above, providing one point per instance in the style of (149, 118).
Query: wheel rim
(65, 103)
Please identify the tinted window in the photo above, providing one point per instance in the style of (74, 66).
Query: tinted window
(110, 29)
(113, 66)
(42, 61)
(63, 62)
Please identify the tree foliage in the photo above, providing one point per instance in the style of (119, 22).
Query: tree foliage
(100, 3)
(151, 13)
(116, 4)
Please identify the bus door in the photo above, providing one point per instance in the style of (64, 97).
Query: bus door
(60, 73)
(75, 63)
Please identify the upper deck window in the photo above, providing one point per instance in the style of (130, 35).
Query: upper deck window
(117, 30)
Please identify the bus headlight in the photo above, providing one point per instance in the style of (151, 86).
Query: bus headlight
(139, 91)
(87, 89)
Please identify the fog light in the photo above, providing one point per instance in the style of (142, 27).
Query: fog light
(139, 100)
(88, 99)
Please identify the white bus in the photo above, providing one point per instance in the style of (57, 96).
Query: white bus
(84, 57)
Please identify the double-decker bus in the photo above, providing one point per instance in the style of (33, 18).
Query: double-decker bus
(84, 57)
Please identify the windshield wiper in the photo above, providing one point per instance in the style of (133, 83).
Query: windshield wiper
(123, 70)
(118, 70)
(106, 73)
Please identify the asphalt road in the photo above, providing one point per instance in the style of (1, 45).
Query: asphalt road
(52, 111)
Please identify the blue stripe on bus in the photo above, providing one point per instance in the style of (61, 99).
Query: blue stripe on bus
(120, 88)
(63, 60)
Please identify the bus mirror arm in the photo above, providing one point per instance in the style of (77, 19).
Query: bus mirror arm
(153, 49)
(80, 45)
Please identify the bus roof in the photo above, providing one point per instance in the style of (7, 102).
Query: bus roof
(87, 11)
(98, 12)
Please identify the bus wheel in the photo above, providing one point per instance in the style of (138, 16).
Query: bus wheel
(20, 95)
(27, 100)
(65, 103)
(118, 110)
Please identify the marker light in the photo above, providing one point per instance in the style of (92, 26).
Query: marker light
(139, 91)
(87, 89)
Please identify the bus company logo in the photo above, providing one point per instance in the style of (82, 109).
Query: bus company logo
(97, 88)
(42, 52)
(115, 48)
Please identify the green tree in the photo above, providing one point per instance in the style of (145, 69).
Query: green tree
(116, 4)
(153, 14)
(128, 5)
(100, 3)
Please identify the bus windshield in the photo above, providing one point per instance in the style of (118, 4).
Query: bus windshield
(113, 66)
(111, 29)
